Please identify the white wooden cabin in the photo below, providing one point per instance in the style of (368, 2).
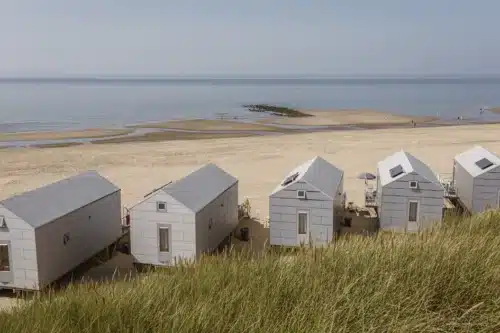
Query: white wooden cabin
(47, 232)
(476, 178)
(305, 207)
(409, 194)
(185, 218)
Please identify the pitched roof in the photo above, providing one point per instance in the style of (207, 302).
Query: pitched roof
(200, 187)
(45, 204)
(318, 173)
(408, 163)
(468, 160)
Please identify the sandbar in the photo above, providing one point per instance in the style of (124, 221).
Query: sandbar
(63, 135)
(346, 117)
(209, 125)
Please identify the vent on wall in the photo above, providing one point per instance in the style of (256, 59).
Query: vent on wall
(414, 184)
(301, 194)
(396, 171)
(484, 163)
(290, 179)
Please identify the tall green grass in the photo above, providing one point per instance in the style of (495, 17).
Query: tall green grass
(443, 280)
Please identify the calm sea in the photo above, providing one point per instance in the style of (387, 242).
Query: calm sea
(46, 104)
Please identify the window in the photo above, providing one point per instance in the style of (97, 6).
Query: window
(4, 258)
(161, 206)
(301, 194)
(412, 211)
(302, 224)
(164, 239)
(484, 163)
(290, 179)
(3, 223)
(396, 171)
(66, 238)
(413, 184)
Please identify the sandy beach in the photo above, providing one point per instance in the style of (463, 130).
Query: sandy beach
(259, 163)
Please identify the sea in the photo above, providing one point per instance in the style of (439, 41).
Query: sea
(40, 104)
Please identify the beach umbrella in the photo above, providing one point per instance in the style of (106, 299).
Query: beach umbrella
(367, 176)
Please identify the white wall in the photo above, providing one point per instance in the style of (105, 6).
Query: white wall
(395, 198)
(486, 187)
(284, 207)
(224, 212)
(91, 229)
(144, 224)
(464, 185)
(20, 237)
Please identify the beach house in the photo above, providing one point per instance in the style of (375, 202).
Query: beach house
(185, 218)
(47, 232)
(476, 178)
(409, 194)
(306, 206)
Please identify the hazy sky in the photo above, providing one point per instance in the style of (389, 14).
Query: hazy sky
(78, 37)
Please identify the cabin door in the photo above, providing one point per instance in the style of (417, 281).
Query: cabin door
(303, 227)
(413, 213)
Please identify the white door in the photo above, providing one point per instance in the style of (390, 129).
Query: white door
(303, 227)
(413, 212)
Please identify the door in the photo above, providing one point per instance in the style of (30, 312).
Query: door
(303, 227)
(164, 243)
(498, 200)
(413, 212)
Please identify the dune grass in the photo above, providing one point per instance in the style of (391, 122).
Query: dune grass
(443, 280)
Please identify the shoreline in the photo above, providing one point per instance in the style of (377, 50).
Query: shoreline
(199, 129)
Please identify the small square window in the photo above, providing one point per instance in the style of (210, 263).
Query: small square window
(3, 223)
(161, 206)
(4, 258)
(301, 194)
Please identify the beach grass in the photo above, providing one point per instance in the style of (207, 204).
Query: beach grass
(442, 280)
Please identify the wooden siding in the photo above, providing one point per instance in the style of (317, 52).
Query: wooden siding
(91, 229)
(485, 193)
(145, 221)
(20, 237)
(464, 185)
(395, 198)
(223, 211)
(284, 207)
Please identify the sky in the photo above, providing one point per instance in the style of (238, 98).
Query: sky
(252, 37)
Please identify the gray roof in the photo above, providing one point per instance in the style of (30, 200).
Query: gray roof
(408, 163)
(45, 204)
(200, 187)
(318, 173)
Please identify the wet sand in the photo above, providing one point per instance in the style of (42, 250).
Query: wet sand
(63, 135)
(137, 168)
(208, 125)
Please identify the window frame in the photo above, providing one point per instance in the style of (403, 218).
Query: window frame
(306, 222)
(158, 209)
(169, 245)
(417, 213)
(7, 246)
